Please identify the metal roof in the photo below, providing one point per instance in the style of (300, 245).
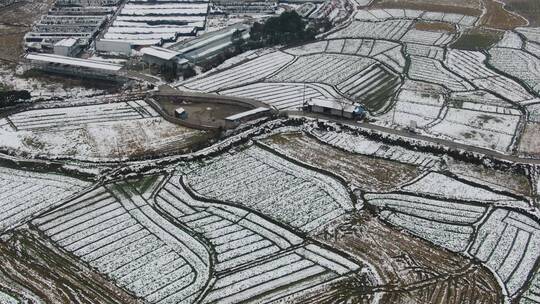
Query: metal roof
(86, 63)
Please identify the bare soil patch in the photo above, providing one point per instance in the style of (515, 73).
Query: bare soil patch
(514, 182)
(366, 173)
(67, 82)
(497, 16)
(477, 39)
(32, 268)
(435, 26)
(530, 141)
(530, 9)
(414, 271)
(15, 21)
(202, 113)
(465, 7)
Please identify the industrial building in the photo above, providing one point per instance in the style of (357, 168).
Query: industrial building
(67, 47)
(236, 119)
(86, 3)
(75, 66)
(335, 108)
(53, 28)
(211, 44)
(162, 57)
(154, 23)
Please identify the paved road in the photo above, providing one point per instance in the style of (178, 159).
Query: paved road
(410, 135)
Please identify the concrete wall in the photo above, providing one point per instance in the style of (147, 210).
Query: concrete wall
(119, 47)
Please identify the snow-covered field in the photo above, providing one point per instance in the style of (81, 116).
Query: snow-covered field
(247, 73)
(121, 231)
(364, 146)
(507, 242)
(283, 95)
(258, 179)
(24, 194)
(239, 237)
(106, 131)
(121, 236)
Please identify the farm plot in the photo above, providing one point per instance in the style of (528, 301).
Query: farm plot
(531, 33)
(260, 180)
(365, 146)
(519, 64)
(360, 171)
(418, 271)
(24, 194)
(463, 20)
(430, 70)
(412, 107)
(513, 182)
(470, 65)
(330, 69)
(398, 13)
(255, 259)
(510, 40)
(77, 116)
(482, 101)
(389, 30)
(533, 48)
(508, 243)
(387, 14)
(445, 187)
(110, 132)
(433, 52)
(283, 96)
(249, 72)
(531, 294)
(444, 223)
(484, 129)
(117, 232)
(386, 52)
(529, 143)
(308, 48)
(427, 37)
(66, 279)
(374, 87)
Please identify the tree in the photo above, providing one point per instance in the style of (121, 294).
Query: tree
(188, 72)
(11, 98)
(287, 28)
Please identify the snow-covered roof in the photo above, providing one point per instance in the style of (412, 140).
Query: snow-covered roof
(86, 63)
(68, 42)
(247, 113)
(159, 52)
(331, 104)
(209, 38)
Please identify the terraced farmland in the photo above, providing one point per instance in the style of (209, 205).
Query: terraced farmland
(25, 194)
(257, 179)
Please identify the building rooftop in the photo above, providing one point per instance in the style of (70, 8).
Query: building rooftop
(68, 42)
(77, 62)
(332, 104)
(247, 113)
(160, 52)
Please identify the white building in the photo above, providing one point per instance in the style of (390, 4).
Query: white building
(236, 119)
(67, 47)
(335, 108)
(75, 66)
